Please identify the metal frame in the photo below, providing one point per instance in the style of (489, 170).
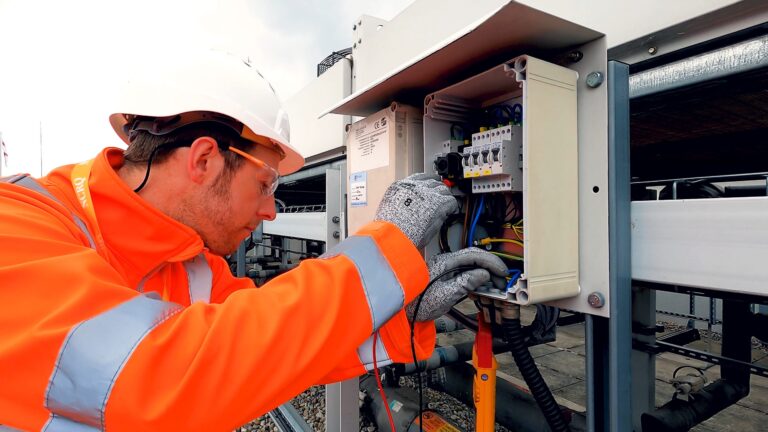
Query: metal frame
(341, 399)
(620, 261)
(662, 346)
(609, 349)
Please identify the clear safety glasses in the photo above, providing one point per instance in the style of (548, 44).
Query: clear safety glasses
(269, 186)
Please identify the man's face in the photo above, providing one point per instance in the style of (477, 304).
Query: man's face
(234, 205)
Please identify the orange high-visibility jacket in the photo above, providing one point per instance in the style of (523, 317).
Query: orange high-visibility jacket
(88, 343)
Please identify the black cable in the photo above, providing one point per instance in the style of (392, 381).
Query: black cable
(459, 269)
(152, 157)
(149, 167)
(701, 372)
(454, 135)
(465, 320)
(555, 316)
(515, 214)
(443, 237)
(513, 331)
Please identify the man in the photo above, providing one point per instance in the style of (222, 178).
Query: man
(117, 311)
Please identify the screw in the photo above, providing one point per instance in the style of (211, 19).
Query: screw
(484, 377)
(335, 219)
(595, 79)
(336, 234)
(653, 50)
(575, 56)
(596, 300)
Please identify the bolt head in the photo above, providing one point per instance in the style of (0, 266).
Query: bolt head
(336, 234)
(653, 50)
(596, 300)
(595, 79)
(575, 56)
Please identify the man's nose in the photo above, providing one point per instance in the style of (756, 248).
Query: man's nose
(268, 209)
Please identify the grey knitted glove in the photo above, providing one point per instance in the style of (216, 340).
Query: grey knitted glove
(418, 205)
(443, 294)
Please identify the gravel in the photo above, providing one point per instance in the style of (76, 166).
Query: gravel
(311, 405)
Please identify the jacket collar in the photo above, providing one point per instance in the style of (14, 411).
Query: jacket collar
(138, 236)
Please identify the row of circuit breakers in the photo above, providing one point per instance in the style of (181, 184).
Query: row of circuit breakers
(493, 160)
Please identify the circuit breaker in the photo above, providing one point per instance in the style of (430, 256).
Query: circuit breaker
(513, 130)
(383, 147)
(494, 160)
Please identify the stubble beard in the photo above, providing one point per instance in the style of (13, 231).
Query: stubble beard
(208, 215)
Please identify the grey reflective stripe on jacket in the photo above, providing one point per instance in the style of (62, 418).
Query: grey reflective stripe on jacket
(382, 289)
(32, 184)
(93, 354)
(365, 354)
(62, 424)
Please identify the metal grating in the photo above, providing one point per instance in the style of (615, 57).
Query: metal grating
(332, 59)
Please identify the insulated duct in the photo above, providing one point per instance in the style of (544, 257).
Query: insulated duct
(741, 57)
(681, 415)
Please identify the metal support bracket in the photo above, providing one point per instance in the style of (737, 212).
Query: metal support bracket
(661, 346)
(288, 419)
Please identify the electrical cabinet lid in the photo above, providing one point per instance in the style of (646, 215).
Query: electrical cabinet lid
(504, 33)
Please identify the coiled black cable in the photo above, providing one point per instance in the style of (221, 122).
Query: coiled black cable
(513, 331)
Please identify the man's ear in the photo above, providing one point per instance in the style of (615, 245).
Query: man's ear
(204, 161)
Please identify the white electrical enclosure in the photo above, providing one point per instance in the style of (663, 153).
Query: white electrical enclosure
(548, 163)
(381, 148)
(508, 32)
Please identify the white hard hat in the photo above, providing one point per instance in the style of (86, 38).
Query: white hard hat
(206, 81)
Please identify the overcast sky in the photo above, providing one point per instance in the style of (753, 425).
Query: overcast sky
(57, 58)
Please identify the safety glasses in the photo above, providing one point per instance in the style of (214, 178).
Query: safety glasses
(269, 186)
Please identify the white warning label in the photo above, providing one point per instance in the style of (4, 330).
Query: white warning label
(369, 143)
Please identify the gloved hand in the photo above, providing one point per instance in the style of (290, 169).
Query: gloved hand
(447, 291)
(418, 205)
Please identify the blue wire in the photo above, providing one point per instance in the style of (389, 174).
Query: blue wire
(474, 221)
(514, 278)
